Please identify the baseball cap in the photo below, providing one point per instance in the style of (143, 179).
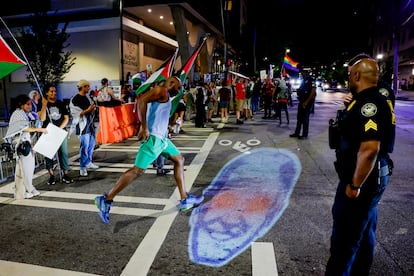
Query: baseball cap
(82, 83)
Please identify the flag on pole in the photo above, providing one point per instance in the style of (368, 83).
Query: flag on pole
(9, 61)
(289, 64)
(162, 73)
(183, 73)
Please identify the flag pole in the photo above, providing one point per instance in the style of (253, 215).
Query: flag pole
(24, 56)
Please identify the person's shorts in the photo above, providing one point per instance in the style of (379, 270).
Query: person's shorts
(246, 104)
(180, 108)
(150, 150)
(239, 104)
(224, 104)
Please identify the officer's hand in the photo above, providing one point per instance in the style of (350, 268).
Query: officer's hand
(348, 99)
(351, 193)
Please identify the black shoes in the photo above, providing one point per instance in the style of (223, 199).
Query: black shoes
(301, 137)
(162, 172)
(239, 122)
(66, 179)
(52, 180)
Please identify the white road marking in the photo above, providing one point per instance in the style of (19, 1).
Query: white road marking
(19, 269)
(263, 259)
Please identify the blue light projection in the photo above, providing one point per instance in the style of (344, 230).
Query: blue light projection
(248, 196)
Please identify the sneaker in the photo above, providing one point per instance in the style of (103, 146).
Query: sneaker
(28, 195)
(294, 135)
(103, 207)
(35, 192)
(83, 172)
(190, 201)
(163, 172)
(92, 166)
(52, 180)
(66, 179)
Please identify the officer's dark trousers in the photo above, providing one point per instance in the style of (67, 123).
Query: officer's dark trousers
(353, 232)
(302, 120)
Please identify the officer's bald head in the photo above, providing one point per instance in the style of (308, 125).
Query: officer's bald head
(364, 73)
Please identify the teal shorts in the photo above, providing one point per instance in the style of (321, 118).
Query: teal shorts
(152, 148)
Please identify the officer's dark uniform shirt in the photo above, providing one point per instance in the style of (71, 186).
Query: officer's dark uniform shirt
(305, 90)
(368, 117)
(388, 93)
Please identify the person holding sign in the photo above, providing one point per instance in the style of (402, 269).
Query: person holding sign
(54, 111)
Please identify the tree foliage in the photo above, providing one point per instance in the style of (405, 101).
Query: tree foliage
(44, 44)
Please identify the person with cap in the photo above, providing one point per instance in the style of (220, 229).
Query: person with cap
(82, 109)
(55, 111)
(154, 111)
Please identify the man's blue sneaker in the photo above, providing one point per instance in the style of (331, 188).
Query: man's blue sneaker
(103, 207)
(190, 201)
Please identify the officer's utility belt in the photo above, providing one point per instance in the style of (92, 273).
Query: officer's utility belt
(334, 132)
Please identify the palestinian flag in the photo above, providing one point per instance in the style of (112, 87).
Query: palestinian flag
(161, 74)
(9, 61)
(183, 73)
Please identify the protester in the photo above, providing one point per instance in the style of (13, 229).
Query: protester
(22, 123)
(82, 109)
(364, 167)
(128, 95)
(240, 86)
(106, 96)
(56, 112)
(267, 94)
(248, 114)
(189, 103)
(36, 100)
(225, 97)
(210, 101)
(200, 118)
(282, 99)
(255, 99)
(154, 110)
(306, 96)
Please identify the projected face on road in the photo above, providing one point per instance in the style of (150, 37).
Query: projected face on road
(248, 196)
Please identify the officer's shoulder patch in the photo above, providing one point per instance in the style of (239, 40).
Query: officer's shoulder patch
(384, 91)
(369, 109)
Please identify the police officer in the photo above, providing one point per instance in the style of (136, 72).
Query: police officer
(363, 166)
(306, 96)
